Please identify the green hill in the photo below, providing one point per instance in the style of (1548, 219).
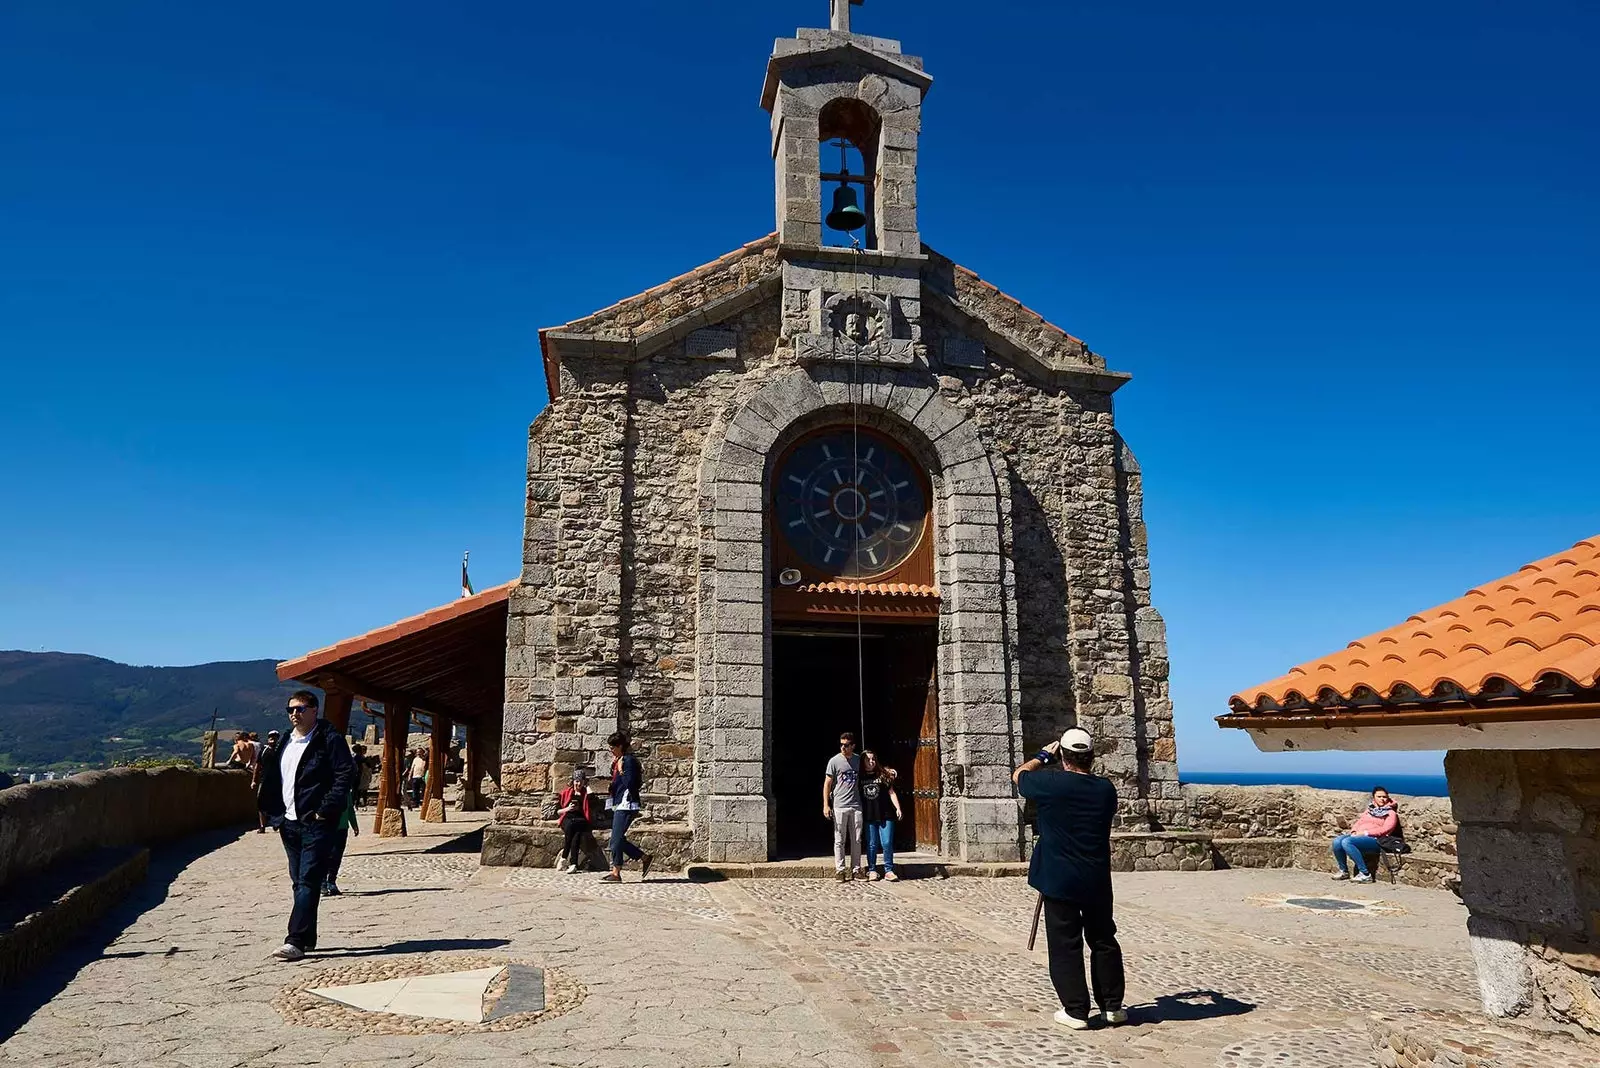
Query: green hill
(62, 711)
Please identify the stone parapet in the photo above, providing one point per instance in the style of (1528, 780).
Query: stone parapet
(45, 823)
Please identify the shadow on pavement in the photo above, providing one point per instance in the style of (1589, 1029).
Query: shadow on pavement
(415, 945)
(30, 992)
(471, 842)
(395, 890)
(1187, 1007)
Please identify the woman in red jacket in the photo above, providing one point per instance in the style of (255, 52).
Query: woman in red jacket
(574, 819)
(1381, 818)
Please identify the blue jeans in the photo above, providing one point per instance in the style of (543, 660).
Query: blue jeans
(307, 846)
(1352, 846)
(620, 846)
(880, 836)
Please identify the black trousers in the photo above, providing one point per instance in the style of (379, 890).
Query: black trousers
(1067, 925)
(307, 846)
(338, 839)
(572, 844)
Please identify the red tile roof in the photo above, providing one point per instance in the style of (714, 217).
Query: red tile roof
(1535, 629)
(878, 589)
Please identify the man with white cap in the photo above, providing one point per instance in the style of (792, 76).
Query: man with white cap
(1071, 869)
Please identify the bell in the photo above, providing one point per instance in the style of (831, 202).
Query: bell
(846, 214)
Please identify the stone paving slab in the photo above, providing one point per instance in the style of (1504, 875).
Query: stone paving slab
(744, 973)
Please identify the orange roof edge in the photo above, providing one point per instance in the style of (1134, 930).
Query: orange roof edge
(321, 658)
(1537, 628)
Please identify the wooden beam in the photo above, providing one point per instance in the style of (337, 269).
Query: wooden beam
(1519, 713)
(330, 679)
(336, 710)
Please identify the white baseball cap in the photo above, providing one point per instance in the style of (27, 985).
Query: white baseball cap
(1077, 740)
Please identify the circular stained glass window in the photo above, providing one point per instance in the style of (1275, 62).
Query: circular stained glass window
(850, 504)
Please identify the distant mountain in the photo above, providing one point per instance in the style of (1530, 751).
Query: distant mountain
(66, 710)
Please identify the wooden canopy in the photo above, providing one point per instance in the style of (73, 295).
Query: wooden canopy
(449, 660)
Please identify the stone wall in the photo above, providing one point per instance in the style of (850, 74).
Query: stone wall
(1530, 874)
(1293, 826)
(44, 823)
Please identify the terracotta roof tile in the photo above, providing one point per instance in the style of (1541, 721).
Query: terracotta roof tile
(1539, 624)
(880, 589)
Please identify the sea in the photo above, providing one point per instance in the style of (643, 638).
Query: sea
(1415, 785)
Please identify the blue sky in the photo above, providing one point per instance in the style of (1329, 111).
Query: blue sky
(271, 280)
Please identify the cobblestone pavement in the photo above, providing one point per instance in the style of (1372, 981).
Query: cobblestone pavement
(739, 973)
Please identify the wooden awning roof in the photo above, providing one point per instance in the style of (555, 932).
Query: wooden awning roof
(449, 660)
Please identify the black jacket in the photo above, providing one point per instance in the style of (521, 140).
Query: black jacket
(1072, 858)
(322, 782)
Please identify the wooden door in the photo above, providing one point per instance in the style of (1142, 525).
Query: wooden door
(909, 659)
(925, 779)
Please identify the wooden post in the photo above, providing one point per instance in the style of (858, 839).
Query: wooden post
(390, 820)
(336, 710)
(471, 772)
(438, 753)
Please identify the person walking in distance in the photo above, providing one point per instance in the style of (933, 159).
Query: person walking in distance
(841, 802)
(305, 786)
(1071, 869)
(626, 778)
(419, 776)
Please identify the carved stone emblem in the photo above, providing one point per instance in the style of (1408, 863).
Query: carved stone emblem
(855, 326)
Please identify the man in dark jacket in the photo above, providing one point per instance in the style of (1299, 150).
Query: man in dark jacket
(1071, 869)
(306, 780)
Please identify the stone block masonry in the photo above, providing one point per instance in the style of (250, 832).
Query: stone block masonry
(1530, 875)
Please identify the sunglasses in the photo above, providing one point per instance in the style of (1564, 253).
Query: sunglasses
(292, 709)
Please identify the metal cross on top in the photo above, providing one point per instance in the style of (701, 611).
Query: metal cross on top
(840, 14)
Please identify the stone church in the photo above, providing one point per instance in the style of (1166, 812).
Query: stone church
(830, 481)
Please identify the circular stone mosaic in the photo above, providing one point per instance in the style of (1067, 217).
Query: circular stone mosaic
(371, 997)
(1341, 906)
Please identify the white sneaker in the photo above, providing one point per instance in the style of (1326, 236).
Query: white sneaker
(1340, 876)
(572, 869)
(1071, 1021)
(1116, 1016)
(1362, 879)
(288, 952)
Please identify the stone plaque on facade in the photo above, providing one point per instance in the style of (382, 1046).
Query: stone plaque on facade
(712, 344)
(964, 352)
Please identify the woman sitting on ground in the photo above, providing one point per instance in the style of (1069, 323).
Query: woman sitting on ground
(880, 808)
(575, 818)
(1381, 818)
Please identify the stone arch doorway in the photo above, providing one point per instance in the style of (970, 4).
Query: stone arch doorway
(732, 817)
(853, 620)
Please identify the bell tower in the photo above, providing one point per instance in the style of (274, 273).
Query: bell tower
(846, 115)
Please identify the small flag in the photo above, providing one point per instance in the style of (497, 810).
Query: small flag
(466, 583)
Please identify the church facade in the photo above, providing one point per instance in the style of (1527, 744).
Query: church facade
(813, 487)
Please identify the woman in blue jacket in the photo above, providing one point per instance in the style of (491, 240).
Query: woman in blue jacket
(624, 805)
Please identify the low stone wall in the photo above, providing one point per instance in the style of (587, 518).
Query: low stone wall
(44, 823)
(537, 846)
(1530, 874)
(1294, 826)
(50, 910)
(1161, 851)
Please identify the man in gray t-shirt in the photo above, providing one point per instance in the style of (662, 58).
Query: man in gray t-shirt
(841, 802)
